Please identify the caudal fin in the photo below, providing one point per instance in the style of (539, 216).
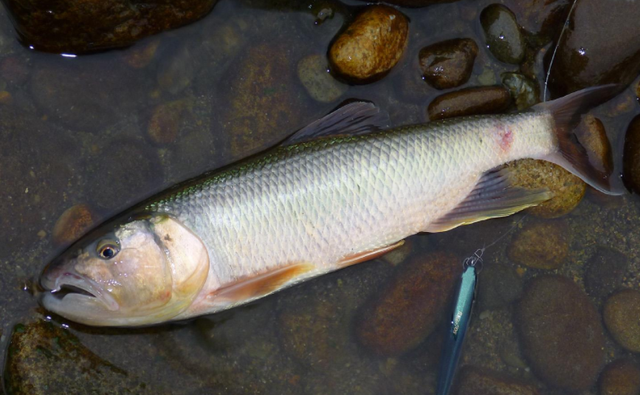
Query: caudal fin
(567, 112)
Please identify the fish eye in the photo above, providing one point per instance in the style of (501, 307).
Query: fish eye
(107, 249)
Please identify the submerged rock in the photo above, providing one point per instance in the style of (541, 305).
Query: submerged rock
(70, 26)
(448, 64)
(568, 190)
(265, 104)
(14, 70)
(631, 156)
(561, 333)
(524, 91)
(593, 137)
(469, 101)
(166, 121)
(73, 223)
(621, 312)
(600, 46)
(541, 245)
(498, 286)
(409, 307)
(313, 72)
(45, 359)
(621, 377)
(371, 45)
(605, 272)
(542, 18)
(474, 380)
(504, 39)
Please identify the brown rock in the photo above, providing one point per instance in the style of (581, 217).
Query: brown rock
(568, 190)
(139, 56)
(560, 333)
(593, 137)
(448, 64)
(622, 318)
(73, 223)
(5, 97)
(371, 45)
(321, 86)
(600, 46)
(45, 359)
(543, 18)
(265, 102)
(481, 381)
(166, 121)
(541, 245)
(408, 309)
(70, 26)
(469, 101)
(621, 377)
(631, 156)
(502, 34)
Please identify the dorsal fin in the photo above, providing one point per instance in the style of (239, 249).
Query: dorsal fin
(360, 117)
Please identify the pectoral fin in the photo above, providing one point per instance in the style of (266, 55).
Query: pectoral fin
(261, 284)
(493, 197)
(367, 255)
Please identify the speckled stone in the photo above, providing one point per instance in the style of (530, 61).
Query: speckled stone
(371, 45)
(73, 223)
(621, 316)
(561, 333)
(568, 190)
(474, 380)
(621, 377)
(541, 245)
(524, 91)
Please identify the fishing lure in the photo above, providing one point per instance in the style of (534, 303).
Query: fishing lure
(461, 316)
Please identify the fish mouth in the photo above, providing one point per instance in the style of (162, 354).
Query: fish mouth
(73, 287)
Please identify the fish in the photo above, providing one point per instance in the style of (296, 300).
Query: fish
(340, 191)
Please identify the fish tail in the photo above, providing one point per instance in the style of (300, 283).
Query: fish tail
(571, 155)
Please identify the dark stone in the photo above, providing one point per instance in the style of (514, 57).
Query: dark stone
(502, 33)
(416, 3)
(469, 101)
(72, 26)
(541, 245)
(621, 377)
(498, 286)
(605, 272)
(45, 359)
(448, 64)
(621, 316)
(542, 18)
(600, 46)
(631, 156)
(561, 333)
(410, 306)
(474, 380)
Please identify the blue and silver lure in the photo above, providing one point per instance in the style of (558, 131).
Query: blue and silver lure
(459, 322)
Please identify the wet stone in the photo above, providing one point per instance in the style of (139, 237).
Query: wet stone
(45, 359)
(605, 272)
(567, 189)
(474, 380)
(502, 34)
(140, 55)
(400, 254)
(166, 121)
(263, 94)
(73, 223)
(631, 156)
(69, 26)
(469, 101)
(593, 137)
(371, 45)
(621, 377)
(416, 3)
(560, 333)
(410, 306)
(14, 70)
(600, 46)
(498, 286)
(543, 18)
(313, 72)
(448, 64)
(177, 70)
(524, 91)
(541, 245)
(621, 312)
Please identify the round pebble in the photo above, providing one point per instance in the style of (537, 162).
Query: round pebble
(313, 72)
(621, 377)
(502, 33)
(622, 318)
(72, 224)
(448, 64)
(541, 245)
(469, 101)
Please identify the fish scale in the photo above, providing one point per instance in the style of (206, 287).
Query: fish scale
(322, 201)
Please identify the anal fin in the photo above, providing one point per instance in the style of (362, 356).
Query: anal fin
(260, 285)
(367, 255)
(493, 197)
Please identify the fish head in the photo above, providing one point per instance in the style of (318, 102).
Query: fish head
(141, 272)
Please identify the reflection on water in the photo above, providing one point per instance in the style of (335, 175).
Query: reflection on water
(110, 129)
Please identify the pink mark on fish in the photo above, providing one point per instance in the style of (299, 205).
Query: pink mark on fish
(503, 136)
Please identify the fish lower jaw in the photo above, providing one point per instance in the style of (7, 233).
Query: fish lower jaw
(73, 286)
